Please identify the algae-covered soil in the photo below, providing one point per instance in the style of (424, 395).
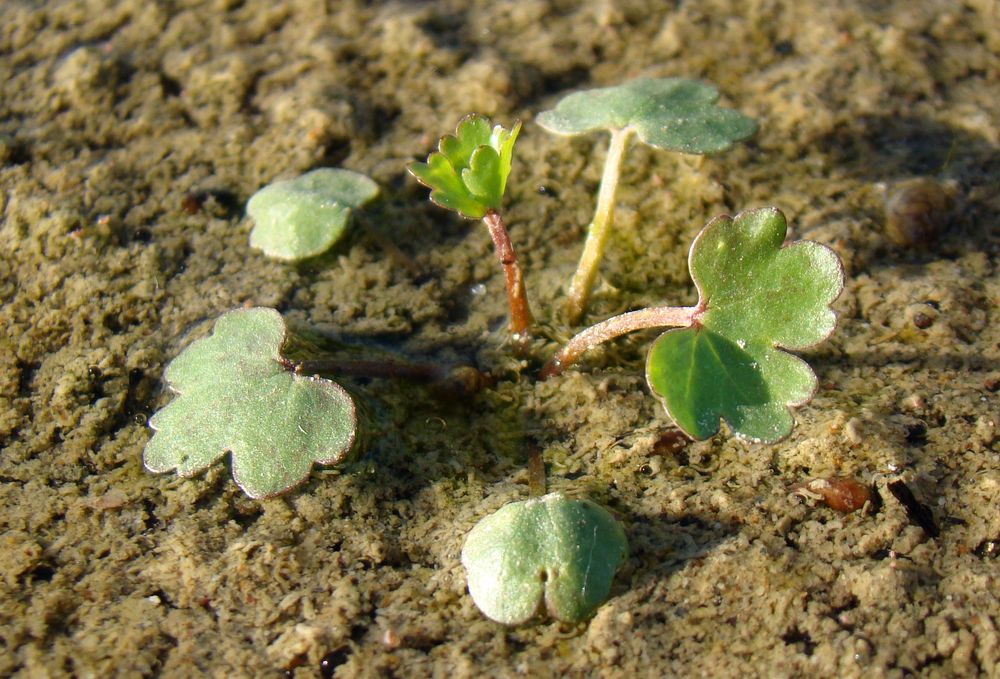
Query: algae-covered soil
(132, 134)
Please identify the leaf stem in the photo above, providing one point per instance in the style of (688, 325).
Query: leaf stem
(536, 472)
(461, 378)
(616, 326)
(517, 299)
(599, 230)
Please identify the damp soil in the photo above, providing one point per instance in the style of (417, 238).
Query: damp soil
(132, 134)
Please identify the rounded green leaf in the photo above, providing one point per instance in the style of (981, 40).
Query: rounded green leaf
(304, 217)
(759, 298)
(675, 114)
(237, 395)
(468, 173)
(551, 553)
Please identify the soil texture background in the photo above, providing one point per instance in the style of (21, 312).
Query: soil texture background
(131, 135)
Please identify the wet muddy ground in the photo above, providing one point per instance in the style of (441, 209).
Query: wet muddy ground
(131, 136)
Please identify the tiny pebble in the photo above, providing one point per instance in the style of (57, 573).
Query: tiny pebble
(916, 212)
(838, 492)
(852, 431)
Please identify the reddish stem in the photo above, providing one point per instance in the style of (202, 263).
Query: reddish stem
(517, 298)
(536, 472)
(461, 378)
(421, 372)
(616, 326)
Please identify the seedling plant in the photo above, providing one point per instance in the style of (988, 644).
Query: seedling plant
(468, 174)
(757, 298)
(673, 114)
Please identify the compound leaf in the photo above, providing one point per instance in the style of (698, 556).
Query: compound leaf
(304, 217)
(760, 299)
(468, 173)
(675, 114)
(551, 553)
(236, 394)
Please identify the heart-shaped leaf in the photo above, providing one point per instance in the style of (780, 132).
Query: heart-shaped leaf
(550, 552)
(759, 299)
(304, 217)
(238, 395)
(468, 173)
(669, 113)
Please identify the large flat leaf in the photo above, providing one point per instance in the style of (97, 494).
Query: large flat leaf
(669, 113)
(760, 298)
(236, 395)
(551, 553)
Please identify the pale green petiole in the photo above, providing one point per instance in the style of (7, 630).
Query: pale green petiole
(599, 230)
(674, 114)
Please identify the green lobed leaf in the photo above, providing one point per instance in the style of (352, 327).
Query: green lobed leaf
(447, 188)
(236, 395)
(675, 114)
(760, 299)
(304, 217)
(550, 552)
(503, 140)
(482, 177)
(472, 132)
(468, 173)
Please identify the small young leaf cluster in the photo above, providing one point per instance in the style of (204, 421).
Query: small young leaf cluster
(468, 173)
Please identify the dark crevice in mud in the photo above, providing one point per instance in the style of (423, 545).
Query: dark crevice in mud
(26, 375)
(149, 521)
(449, 33)
(796, 637)
(170, 86)
(245, 517)
(988, 549)
(335, 151)
(18, 152)
(43, 572)
(164, 599)
(136, 404)
(329, 663)
(384, 120)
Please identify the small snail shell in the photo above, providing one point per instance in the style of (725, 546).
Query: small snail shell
(916, 211)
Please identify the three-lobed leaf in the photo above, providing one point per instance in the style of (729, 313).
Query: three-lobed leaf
(551, 553)
(303, 217)
(468, 173)
(236, 395)
(675, 114)
(760, 298)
